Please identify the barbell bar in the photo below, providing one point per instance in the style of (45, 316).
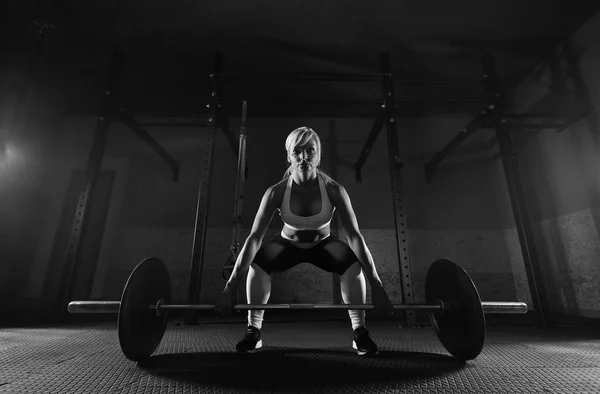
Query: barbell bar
(113, 307)
(455, 309)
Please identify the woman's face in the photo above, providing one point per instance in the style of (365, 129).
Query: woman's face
(304, 158)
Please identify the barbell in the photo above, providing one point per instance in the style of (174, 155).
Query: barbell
(455, 309)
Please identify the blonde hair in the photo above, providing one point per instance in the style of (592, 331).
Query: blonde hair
(299, 137)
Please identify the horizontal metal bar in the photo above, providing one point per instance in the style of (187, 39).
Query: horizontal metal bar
(504, 307)
(405, 100)
(172, 124)
(94, 307)
(275, 101)
(437, 82)
(347, 77)
(163, 115)
(113, 307)
(249, 307)
(316, 104)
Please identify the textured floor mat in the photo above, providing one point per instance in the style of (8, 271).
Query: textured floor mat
(303, 357)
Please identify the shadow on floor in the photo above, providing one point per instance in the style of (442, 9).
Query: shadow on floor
(298, 368)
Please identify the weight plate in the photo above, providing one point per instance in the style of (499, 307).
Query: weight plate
(460, 329)
(140, 328)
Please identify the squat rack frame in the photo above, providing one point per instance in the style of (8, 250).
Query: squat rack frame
(494, 113)
(218, 117)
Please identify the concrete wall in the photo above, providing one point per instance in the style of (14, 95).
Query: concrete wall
(561, 180)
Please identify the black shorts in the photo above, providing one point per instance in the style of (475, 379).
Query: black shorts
(279, 254)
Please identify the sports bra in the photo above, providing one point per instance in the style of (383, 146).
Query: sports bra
(315, 222)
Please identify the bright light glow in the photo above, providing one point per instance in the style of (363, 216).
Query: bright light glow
(12, 160)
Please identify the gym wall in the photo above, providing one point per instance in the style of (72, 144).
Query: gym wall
(461, 215)
(560, 174)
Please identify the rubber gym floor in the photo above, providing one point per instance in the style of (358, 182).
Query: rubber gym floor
(298, 357)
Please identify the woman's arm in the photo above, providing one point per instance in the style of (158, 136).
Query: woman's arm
(260, 226)
(359, 247)
(356, 241)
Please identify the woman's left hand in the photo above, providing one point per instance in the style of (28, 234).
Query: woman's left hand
(383, 305)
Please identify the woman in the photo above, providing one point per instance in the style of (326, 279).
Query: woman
(306, 199)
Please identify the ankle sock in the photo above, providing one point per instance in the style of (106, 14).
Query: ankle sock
(357, 318)
(255, 318)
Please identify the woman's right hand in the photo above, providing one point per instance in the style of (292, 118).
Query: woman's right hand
(225, 302)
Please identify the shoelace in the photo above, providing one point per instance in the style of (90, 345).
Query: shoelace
(361, 331)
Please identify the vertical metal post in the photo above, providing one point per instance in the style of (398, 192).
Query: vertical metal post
(395, 167)
(517, 196)
(240, 181)
(197, 263)
(333, 163)
(84, 203)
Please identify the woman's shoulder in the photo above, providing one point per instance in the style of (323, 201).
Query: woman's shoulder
(328, 180)
(332, 186)
(278, 189)
(281, 184)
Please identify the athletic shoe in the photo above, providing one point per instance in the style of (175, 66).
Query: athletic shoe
(363, 344)
(250, 342)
